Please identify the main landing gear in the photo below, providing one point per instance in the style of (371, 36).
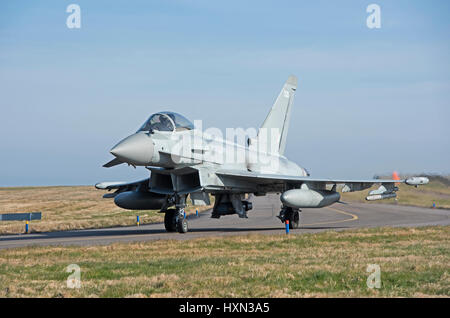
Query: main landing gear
(174, 219)
(292, 215)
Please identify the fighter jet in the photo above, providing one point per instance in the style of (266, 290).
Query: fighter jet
(185, 161)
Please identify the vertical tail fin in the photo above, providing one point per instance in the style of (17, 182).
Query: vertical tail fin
(276, 124)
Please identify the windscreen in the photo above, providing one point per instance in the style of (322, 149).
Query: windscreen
(166, 121)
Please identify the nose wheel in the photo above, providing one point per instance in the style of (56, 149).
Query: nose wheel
(291, 215)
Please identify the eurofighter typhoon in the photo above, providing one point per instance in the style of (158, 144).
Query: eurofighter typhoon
(186, 162)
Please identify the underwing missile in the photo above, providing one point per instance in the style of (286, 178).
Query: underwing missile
(383, 190)
(381, 196)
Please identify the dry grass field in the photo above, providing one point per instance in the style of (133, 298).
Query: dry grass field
(414, 262)
(68, 208)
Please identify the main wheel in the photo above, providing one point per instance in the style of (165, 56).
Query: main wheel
(294, 219)
(182, 225)
(170, 222)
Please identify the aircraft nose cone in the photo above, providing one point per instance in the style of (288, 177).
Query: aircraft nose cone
(136, 149)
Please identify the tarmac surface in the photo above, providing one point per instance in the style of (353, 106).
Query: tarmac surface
(262, 219)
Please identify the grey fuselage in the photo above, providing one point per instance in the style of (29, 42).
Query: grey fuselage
(180, 154)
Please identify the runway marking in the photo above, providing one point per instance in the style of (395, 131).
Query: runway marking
(354, 218)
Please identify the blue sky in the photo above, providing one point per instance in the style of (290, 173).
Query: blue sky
(369, 100)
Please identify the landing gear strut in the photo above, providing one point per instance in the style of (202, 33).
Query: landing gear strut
(174, 219)
(292, 215)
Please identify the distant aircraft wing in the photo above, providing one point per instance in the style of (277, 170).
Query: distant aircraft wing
(349, 185)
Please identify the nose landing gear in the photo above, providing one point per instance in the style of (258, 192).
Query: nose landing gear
(174, 219)
(292, 215)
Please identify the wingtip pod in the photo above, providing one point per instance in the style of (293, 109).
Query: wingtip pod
(416, 181)
(101, 185)
(107, 185)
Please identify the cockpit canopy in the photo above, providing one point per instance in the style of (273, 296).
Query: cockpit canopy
(166, 121)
